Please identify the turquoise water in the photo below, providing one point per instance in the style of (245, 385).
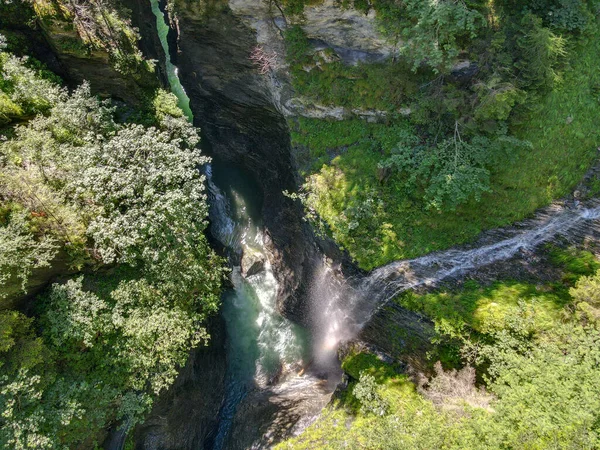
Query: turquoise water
(261, 343)
(172, 75)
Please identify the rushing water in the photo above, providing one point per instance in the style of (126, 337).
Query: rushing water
(355, 303)
(261, 344)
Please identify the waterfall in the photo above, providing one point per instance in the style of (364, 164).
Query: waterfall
(267, 352)
(356, 301)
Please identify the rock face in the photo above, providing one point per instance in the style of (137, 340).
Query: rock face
(233, 105)
(352, 35)
(185, 416)
(79, 64)
(268, 416)
(402, 335)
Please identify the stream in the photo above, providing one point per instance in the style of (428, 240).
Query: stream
(261, 344)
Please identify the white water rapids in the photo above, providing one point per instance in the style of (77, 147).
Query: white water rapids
(262, 346)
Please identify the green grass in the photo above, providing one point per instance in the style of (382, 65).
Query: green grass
(489, 309)
(380, 222)
(413, 421)
(575, 263)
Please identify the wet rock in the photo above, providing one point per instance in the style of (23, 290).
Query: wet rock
(268, 416)
(464, 71)
(403, 335)
(235, 107)
(252, 263)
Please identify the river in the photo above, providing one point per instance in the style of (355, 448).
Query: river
(262, 346)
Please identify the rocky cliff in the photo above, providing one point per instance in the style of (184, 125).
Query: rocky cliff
(336, 31)
(239, 115)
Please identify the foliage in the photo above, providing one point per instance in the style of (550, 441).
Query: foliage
(455, 390)
(561, 15)
(21, 251)
(488, 309)
(80, 28)
(586, 295)
(325, 79)
(522, 177)
(549, 391)
(541, 378)
(19, 346)
(24, 91)
(454, 169)
(540, 52)
(76, 180)
(435, 31)
(366, 393)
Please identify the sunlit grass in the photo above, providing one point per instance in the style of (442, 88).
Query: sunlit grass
(564, 130)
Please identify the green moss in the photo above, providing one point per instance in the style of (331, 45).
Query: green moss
(575, 263)
(356, 363)
(489, 309)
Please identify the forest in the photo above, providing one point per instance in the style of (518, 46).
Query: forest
(408, 130)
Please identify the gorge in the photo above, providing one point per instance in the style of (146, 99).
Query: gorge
(284, 322)
(248, 224)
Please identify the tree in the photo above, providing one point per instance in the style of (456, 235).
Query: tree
(21, 252)
(23, 90)
(541, 52)
(120, 194)
(435, 31)
(366, 393)
(549, 391)
(586, 296)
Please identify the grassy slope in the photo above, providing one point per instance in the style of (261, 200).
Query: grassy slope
(474, 311)
(400, 227)
(414, 423)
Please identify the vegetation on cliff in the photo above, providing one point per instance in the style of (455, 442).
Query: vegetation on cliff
(125, 203)
(484, 122)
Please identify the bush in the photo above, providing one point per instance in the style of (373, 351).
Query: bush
(24, 91)
(366, 393)
(541, 53)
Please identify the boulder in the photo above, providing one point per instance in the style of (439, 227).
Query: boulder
(252, 263)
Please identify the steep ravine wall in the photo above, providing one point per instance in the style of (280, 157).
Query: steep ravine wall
(352, 35)
(233, 106)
